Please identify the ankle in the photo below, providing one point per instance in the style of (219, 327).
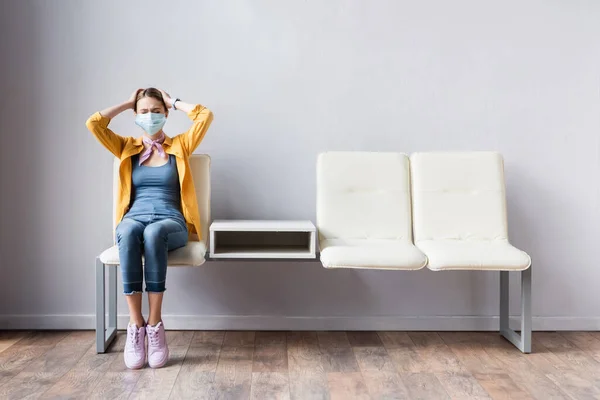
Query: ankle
(154, 322)
(138, 322)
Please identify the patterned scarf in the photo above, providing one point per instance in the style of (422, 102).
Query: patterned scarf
(151, 145)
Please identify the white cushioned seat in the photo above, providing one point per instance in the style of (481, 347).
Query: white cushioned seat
(493, 255)
(370, 253)
(459, 212)
(364, 211)
(192, 254)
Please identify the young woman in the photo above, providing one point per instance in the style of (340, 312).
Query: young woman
(157, 209)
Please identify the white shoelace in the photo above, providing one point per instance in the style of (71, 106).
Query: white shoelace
(153, 336)
(134, 336)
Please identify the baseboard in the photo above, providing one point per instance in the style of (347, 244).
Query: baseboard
(258, 322)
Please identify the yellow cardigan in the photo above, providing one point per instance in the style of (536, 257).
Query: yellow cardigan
(181, 146)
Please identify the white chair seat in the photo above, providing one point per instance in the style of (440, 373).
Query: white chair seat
(371, 254)
(493, 255)
(191, 255)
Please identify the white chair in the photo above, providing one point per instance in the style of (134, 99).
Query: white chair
(460, 223)
(364, 211)
(191, 255)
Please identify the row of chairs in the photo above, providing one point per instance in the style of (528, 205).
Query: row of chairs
(388, 211)
(443, 210)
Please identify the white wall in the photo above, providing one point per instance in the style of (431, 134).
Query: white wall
(287, 80)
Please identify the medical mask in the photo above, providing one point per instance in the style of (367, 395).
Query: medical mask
(151, 122)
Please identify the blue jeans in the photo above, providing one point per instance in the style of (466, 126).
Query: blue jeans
(153, 237)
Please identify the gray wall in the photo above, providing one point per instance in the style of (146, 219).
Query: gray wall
(287, 80)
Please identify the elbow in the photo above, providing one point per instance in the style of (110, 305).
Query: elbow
(96, 122)
(90, 124)
(209, 116)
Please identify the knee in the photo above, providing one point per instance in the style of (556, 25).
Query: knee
(127, 231)
(154, 234)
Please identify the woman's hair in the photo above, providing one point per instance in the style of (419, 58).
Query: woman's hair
(150, 92)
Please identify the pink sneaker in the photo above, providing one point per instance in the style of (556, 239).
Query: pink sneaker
(135, 347)
(158, 352)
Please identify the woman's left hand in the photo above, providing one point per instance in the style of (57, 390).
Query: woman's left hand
(166, 98)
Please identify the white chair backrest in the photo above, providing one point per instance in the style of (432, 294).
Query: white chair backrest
(458, 196)
(200, 169)
(363, 195)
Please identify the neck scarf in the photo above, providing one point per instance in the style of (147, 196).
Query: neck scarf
(157, 143)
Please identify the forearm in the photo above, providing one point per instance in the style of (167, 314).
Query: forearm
(113, 111)
(181, 105)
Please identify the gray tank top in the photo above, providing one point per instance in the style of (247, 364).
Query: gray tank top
(156, 192)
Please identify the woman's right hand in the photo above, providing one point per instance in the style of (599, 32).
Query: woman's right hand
(131, 100)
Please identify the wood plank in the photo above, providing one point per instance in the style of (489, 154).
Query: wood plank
(306, 371)
(364, 338)
(78, 339)
(425, 339)
(438, 356)
(553, 341)
(196, 378)
(270, 385)
(385, 384)
(43, 372)
(8, 338)
(586, 341)
(379, 373)
(336, 352)
(338, 359)
(501, 386)
(402, 352)
(461, 386)
(83, 377)
(234, 371)
(396, 340)
(576, 385)
(570, 354)
(423, 386)
(523, 373)
(347, 385)
(16, 358)
(118, 382)
(373, 359)
(239, 339)
(407, 360)
(302, 338)
(196, 386)
(201, 359)
(476, 360)
(158, 383)
(546, 361)
(270, 358)
(269, 337)
(333, 339)
(43, 338)
(471, 338)
(207, 338)
(179, 338)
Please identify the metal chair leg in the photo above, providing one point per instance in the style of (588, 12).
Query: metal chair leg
(523, 340)
(105, 334)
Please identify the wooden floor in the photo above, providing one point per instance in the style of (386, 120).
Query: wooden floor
(306, 365)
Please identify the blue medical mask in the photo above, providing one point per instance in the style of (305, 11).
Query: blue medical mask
(151, 122)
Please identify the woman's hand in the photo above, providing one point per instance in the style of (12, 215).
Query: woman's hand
(132, 98)
(166, 98)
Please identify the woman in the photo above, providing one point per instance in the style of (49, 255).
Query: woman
(157, 209)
